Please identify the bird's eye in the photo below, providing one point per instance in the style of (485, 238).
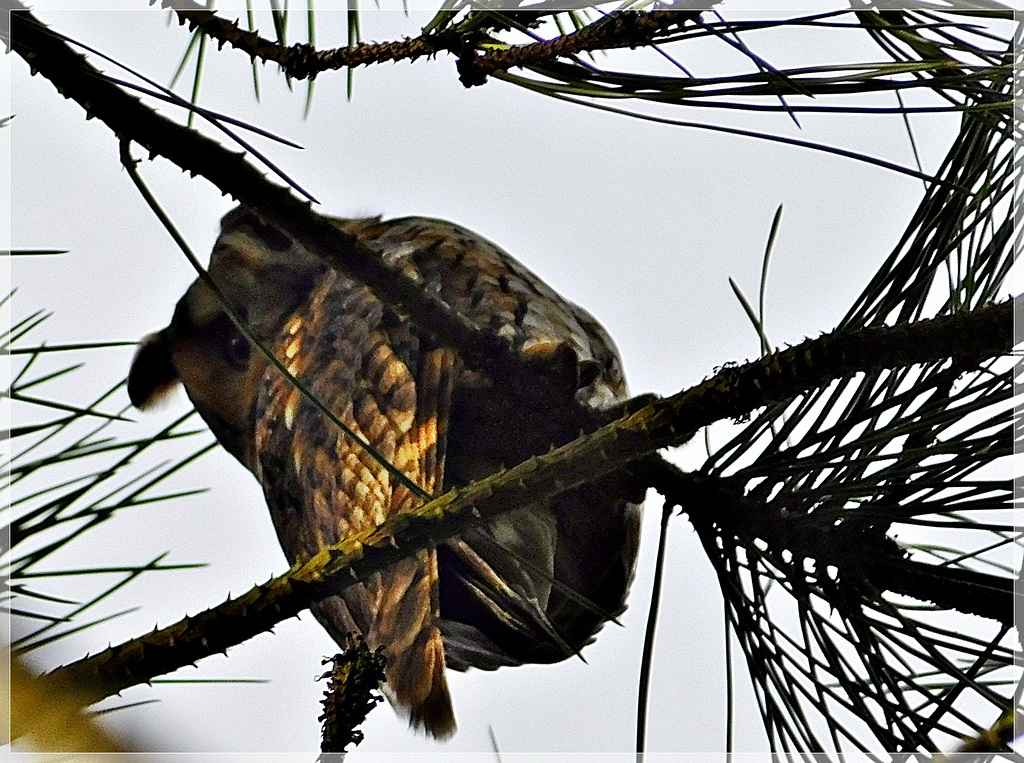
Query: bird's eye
(237, 349)
(232, 342)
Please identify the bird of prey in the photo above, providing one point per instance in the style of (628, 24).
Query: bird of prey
(532, 585)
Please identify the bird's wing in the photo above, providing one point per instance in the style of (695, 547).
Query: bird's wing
(532, 585)
(322, 486)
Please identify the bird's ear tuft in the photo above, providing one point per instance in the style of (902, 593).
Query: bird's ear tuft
(153, 375)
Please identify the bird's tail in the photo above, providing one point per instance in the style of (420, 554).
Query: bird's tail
(402, 621)
(416, 684)
(414, 673)
(407, 622)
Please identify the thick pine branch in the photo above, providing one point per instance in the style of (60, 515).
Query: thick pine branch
(75, 78)
(539, 482)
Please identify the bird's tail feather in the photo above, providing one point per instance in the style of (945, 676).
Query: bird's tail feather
(416, 684)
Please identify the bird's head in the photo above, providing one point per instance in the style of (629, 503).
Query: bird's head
(263, 276)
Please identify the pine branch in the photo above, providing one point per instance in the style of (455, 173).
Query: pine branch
(301, 61)
(539, 482)
(48, 54)
(617, 30)
(858, 547)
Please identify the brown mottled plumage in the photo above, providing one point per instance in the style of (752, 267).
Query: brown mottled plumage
(530, 586)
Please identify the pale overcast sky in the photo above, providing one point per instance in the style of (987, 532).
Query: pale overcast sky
(643, 224)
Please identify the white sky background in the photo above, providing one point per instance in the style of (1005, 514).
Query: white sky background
(640, 223)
